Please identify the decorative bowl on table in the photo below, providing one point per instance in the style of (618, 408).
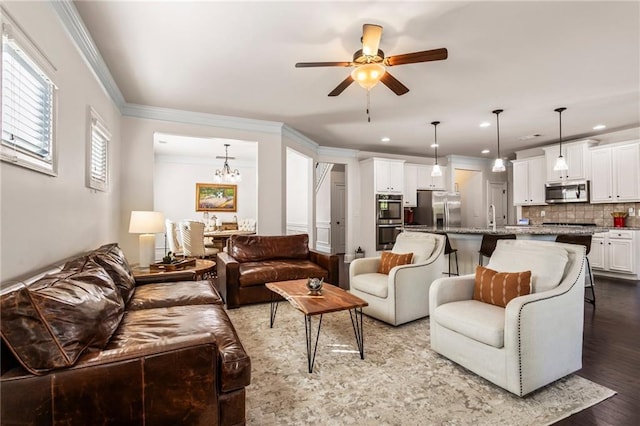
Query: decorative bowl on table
(315, 286)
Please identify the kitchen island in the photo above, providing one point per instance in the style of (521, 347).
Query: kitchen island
(467, 240)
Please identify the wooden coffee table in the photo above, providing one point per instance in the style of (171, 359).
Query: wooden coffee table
(332, 299)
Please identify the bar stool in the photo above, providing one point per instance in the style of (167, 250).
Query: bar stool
(584, 240)
(448, 250)
(488, 244)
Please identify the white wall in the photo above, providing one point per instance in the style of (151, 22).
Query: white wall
(174, 189)
(470, 188)
(45, 219)
(323, 214)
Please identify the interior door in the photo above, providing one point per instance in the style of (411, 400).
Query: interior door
(338, 218)
(498, 197)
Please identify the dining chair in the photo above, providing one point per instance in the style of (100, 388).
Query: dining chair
(192, 236)
(172, 236)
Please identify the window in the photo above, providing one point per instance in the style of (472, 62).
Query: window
(28, 99)
(97, 153)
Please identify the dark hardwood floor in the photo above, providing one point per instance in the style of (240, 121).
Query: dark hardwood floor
(611, 351)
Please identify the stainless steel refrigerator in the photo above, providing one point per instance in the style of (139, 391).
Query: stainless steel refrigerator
(438, 208)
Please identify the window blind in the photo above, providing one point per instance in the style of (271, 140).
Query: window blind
(98, 155)
(27, 107)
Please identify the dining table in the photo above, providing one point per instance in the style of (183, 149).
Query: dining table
(219, 237)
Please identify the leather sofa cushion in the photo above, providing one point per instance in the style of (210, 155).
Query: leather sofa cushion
(112, 259)
(181, 293)
(547, 264)
(255, 273)
(50, 323)
(256, 248)
(160, 324)
(372, 283)
(498, 288)
(476, 320)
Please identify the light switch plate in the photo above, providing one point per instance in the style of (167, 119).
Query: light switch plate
(632, 211)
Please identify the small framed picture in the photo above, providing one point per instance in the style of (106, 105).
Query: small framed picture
(211, 197)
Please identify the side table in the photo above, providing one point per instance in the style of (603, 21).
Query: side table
(203, 269)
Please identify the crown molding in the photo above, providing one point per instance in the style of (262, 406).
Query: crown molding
(76, 29)
(291, 133)
(200, 118)
(328, 151)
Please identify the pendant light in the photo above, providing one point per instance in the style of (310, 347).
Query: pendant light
(561, 163)
(498, 165)
(435, 171)
(225, 174)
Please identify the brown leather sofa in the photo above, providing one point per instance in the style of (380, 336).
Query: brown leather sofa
(82, 344)
(253, 260)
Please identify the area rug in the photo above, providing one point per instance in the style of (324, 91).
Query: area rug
(400, 381)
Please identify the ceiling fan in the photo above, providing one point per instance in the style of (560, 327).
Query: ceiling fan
(369, 63)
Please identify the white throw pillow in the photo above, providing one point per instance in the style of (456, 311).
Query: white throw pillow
(419, 243)
(546, 262)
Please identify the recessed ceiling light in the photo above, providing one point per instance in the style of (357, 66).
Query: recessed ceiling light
(485, 151)
(485, 124)
(385, 139)
(599, 127)
(434, 145)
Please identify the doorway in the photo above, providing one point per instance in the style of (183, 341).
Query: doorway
(497, 195)
(331, 201)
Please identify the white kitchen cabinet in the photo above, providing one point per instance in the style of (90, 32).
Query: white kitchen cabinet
(389, 176)
(615, 176)
(434, 183)
(576, 155)
(529, 176)
(410, 198)
(616, 253)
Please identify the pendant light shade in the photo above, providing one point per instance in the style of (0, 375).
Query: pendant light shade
(498, 165)
(435, 171)
(561, 163)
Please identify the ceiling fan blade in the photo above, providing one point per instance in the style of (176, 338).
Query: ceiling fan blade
(412, 58)
(392, 83)
(322, 64)
(371, 35)
(340, 88)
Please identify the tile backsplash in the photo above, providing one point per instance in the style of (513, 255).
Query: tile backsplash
(600, 214)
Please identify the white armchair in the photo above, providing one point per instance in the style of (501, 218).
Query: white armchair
(403, 294)
(533, 341)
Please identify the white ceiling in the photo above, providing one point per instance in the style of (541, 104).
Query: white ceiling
(528, 58)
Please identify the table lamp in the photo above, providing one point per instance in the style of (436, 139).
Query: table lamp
(146, 224)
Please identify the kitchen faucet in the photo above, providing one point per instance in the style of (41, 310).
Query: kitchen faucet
(492, 217)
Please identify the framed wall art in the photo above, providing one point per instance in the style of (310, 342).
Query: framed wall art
(211, 197)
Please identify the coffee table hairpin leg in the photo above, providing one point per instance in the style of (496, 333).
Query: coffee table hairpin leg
(274, 309)
(356, 314)
(311, 358)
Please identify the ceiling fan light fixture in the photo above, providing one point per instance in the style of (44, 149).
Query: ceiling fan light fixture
(368, 75)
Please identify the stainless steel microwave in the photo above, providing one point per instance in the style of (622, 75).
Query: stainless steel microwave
(567, 192)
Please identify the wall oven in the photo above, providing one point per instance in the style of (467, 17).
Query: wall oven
(389, 207)
(389, 217)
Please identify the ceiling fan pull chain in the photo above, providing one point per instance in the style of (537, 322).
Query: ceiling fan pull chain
(368, 105)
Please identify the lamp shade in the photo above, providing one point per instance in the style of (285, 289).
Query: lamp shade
(368, 75)
(145, 222)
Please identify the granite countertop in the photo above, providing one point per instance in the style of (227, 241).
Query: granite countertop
(517, 229)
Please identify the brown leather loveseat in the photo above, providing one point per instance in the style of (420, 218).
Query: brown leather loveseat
(253, 260)
(82, 344)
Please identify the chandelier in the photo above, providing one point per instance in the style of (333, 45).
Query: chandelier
(225, 174)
